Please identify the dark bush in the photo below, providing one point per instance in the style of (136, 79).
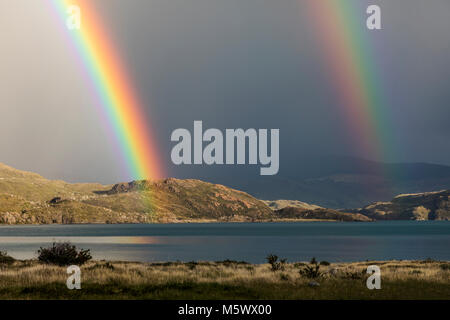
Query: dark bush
(324, 263)
(299, 264)
(5, 259)
(275, 264)
(284, 277)
(354, 275)
(192, 265)
(445, 266)
(271, 259)
(229, 262)
(312, 271)
(64, 254)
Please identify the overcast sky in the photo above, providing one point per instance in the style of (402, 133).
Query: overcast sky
(230, 63)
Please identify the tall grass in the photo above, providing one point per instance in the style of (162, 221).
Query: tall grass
(223, 280)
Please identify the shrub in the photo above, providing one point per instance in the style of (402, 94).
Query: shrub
(324, 263)
(284, 277)
(312, 271)
(5, 259)
(271, 258)
(63, 254)
(192, 265)
(299, 264)
(229, 262)
(445, 266)
(275, 264)
(354, 275)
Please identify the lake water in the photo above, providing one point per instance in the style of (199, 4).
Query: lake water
(252, 242)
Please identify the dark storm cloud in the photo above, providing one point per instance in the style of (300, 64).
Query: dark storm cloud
(251, 63)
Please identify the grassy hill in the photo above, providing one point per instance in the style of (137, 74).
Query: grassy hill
(418, 206)
(28, 198)
(280, 204)
(33, 187)
(321, 214)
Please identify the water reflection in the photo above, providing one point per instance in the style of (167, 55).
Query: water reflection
(80, 240)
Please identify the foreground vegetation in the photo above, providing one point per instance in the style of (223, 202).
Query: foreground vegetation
(279, 279)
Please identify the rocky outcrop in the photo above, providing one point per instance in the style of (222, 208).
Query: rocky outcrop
(175, 199)
(418, 206)
(27, 198)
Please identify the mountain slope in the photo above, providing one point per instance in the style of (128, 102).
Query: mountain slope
(33, 187)
(337, 182)
(174, 199)
(419, 206)
(280, 204)
(29, 198)
(324, 214)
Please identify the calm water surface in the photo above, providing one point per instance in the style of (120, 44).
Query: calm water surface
(332, 241)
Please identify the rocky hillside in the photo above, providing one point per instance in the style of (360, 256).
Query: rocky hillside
(171, 200)
(418, 206)
(28, 198)
(321, 214)
(337, 182)
(280, 204)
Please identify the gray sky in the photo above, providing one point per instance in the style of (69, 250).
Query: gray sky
(233, 63)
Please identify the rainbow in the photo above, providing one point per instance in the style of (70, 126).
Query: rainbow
(340, 27)
(119, 103)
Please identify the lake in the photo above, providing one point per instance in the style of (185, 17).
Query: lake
(252, 242)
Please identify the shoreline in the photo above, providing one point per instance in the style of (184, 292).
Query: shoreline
(206, 222)
(216, 221)
(199, 221)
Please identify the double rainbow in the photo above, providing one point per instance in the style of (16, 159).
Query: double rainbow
(119, 102)
(348, 53)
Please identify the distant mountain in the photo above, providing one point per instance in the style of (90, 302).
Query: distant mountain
(419, 206)
(339, 182)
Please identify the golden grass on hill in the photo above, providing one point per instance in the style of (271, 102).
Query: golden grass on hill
(225, 280)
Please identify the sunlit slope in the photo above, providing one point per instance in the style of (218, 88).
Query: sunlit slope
(417, 206)
(27, 197)
(33, 187)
